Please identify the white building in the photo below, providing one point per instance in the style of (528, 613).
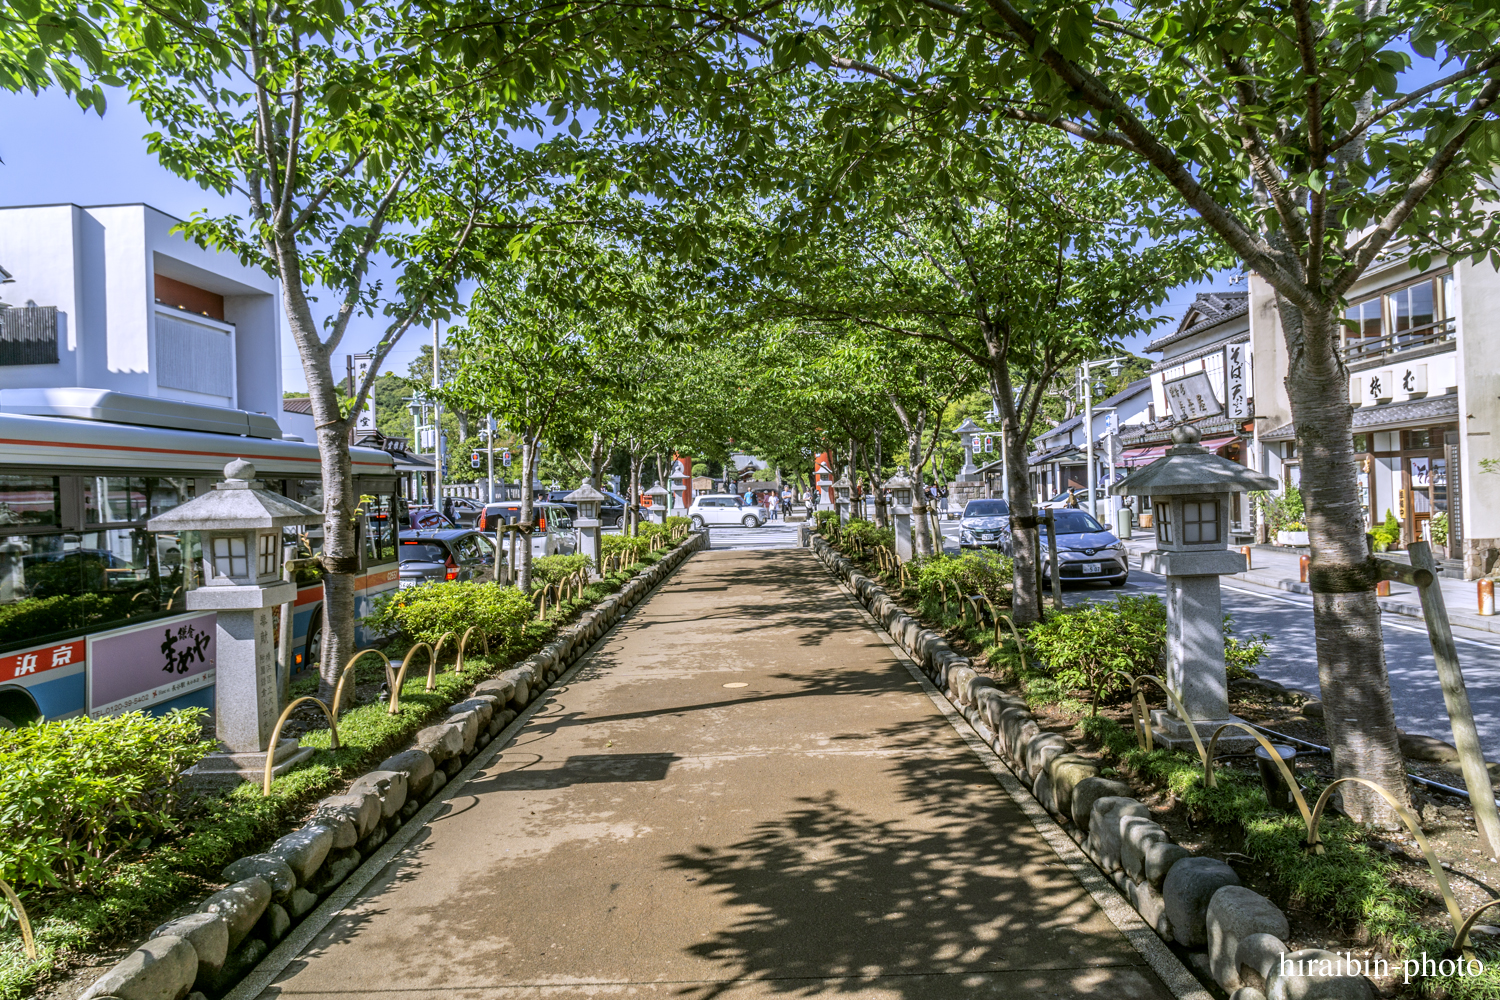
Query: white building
(108, 297)
(1059, 459)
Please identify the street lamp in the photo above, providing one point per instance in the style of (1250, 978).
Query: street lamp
(901, 489)
(1115, 364)
(586, 524)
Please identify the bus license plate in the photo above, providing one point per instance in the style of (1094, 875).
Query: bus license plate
(1089, 568)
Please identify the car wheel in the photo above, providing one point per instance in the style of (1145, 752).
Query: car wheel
(751, 521)
(312, 648)
(697, 523)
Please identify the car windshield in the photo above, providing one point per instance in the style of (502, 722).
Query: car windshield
(987, 508)
(422, 552)
(1061, 497)
(1074, 522)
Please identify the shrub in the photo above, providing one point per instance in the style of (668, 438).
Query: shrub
(1283, 511)
(423, 614)
(827, 522)
(650, 529)
(1242, 656)
(1098, 647)
(1438, 528)
(551, 569)
(75, 793)
(976, 572)
(1387, 533)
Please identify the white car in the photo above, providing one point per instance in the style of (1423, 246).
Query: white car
(724, 508)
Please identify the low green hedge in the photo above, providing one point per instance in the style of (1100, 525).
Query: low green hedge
(425, 613)
(146, 877)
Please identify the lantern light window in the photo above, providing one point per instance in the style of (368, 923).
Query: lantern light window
(231, 556)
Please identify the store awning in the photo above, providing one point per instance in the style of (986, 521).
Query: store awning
(1145, 456)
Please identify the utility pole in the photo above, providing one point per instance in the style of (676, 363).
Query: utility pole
(1088, 434)
(489, 441)
(437, 427)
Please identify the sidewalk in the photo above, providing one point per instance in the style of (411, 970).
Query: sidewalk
(740, 793)
(1281, 569)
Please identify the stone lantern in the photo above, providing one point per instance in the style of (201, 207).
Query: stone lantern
(900, 487)
(657, 512)
(239, 526)
(586, 524)
(841, 491)
(1191, 491)
(966, 431)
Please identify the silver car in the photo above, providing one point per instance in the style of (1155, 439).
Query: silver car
(985, 525)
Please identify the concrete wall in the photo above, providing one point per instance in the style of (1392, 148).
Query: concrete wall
(1268, 368)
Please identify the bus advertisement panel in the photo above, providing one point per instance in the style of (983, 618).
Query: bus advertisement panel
(137, 667)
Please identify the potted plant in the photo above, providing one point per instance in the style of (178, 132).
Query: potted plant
(1385, 534)
(1294, 533)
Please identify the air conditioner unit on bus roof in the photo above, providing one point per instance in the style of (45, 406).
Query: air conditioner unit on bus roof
(106, 405)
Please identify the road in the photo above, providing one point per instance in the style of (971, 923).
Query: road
(1291, 657)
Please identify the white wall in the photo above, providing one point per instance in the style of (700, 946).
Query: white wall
(1478, 358)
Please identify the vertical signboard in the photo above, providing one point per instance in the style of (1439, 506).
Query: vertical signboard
(139, 666)
(1236, 379)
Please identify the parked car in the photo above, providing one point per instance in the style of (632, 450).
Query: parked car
(1085, 550)
(1079, 498)
(553, 534)
(444, 554)
(466, 511)
(611, 512)
(985, 524)
(724, 508)
(424, 518)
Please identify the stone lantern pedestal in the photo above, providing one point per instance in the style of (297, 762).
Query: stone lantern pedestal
(239, 523)
(1190, 490)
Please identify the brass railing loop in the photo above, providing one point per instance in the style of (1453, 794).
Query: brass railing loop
(333, 733)
(1286, 772)
(394, 679)
(463, 644)
(28, 943)
(348, 672)
(1142, 720)
(1020, 646)
(1315, 843)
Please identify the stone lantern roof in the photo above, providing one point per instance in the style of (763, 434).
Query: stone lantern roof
(657, 491)
(968, 427)
(238, 503)
(900, 481)
(586, 492)
(1188, 467)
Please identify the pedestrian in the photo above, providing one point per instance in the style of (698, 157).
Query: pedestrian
(448, 509)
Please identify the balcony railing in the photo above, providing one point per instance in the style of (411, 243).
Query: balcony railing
(1358, 349)
(28, 335)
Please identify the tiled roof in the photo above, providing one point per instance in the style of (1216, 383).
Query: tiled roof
(298, 404)
(1411, 411)
(1208, 309)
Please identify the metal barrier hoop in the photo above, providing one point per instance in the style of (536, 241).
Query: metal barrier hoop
(1020, 646)
(28, 943)
(348, 671)
(333, 733)
(396, 679)
(1142, 721)
(463, 643)
(1316, 844)
(1286, 772)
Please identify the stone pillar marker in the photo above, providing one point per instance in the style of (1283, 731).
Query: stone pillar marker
(900, 487)
(239, 523)
(1190, 490)
(586, 524)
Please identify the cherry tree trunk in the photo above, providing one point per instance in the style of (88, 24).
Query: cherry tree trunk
(1356, 693)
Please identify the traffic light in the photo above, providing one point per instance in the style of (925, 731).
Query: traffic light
(474, 459)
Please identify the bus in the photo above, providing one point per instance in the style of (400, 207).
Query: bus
(93, 607)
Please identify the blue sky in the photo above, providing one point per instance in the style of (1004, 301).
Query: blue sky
(54, 152)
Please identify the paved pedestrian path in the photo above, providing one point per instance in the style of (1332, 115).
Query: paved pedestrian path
(741, 792)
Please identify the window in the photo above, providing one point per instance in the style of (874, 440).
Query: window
(1401, 319)
(268, 561)
(77, 581)
(432, 552)
(231, 556)
(128, 500)
(1200, 522)
(1164, 522)
(29, 502)
(1418, 440)
(1363, 319)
